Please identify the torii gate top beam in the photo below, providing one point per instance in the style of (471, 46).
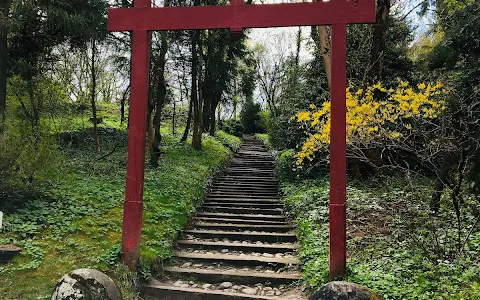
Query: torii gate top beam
(242, 16)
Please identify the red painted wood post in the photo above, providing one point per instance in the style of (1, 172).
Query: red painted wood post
(133, 206)
(235, 29)
(338, 162)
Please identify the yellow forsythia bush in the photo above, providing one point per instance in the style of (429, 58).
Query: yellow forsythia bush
(370, 117)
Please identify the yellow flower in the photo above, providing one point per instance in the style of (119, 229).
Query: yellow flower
(312, 106)
(303, 116)
(370, 118)
(396, 135)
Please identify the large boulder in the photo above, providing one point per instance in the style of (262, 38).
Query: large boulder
(86, 284)
(341, 290)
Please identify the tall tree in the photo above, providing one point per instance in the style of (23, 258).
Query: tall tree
(4, 11)
(158, 96)
(380, 30)
(221, 59)
(41, 25)
(95, 31)
(197, 105)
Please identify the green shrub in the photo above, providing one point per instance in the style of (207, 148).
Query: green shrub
(265, 121)
(265, 138)
(27, 159)
(230, 141)
(251, 119)
(286, 167)
(232, 126)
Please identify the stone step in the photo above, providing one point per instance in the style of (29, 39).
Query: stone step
(242, 200)
(244, 259)
(238, 221)
(254, 179)
(169, 292)
(247, 180)
(235, 275)
(230, 226)
(256, 197)
(237, 246)
(252, 162)
(243, 216)
(226, 209)
(243, 184)
(274, 237)
(243, 204)
(255, 154)
(245, 194)
(250, 168)
(245, 189)
(256, 173)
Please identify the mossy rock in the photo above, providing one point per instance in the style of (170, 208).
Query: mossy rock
(86, 284)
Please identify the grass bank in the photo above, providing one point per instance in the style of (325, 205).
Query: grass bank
(74, 220)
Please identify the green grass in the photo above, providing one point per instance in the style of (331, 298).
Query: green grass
(265, 137)
(231, 141)
(395, 247)
(74, 220)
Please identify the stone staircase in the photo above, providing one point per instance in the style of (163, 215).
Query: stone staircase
(239, 246)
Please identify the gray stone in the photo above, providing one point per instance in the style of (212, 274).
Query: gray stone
(341, 290)
(86, 284)
(178, 283)
(269, 293)
(225, 285)
(249, 291)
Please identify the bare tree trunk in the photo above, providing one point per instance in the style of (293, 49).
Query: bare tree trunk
(93, 96)
(235, 98)
(207, 106)
(162, 91)
(208, 94)
(213, 121)
(197, 114)
(4, 9)
(235, 104)
(189, 121)
(299, 46)
(325, 46)
(438, 190)
(173, 115)
(380, 29)
(122, 105)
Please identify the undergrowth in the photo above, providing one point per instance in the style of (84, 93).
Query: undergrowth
(74, 220)
(395, 246)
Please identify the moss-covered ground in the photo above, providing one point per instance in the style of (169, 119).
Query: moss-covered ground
(395, 245)
(74, 219)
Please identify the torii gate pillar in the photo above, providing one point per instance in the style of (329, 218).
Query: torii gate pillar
(142, 18)
(133, 205)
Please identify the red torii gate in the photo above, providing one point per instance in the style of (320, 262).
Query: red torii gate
(143, 18)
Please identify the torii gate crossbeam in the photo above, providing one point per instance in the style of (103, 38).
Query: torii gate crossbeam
(142, 18)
